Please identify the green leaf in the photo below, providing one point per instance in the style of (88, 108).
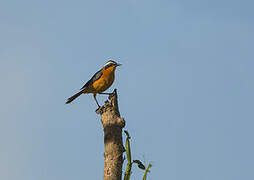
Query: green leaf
(140, 164)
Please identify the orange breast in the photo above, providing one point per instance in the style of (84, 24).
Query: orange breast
(105, 81)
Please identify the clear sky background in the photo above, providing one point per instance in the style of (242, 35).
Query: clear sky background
(185, 87)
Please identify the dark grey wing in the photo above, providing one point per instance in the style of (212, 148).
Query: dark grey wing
(95, 77)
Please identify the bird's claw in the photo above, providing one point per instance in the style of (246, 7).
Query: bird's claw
(111, 95)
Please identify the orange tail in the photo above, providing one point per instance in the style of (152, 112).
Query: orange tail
(69, 100)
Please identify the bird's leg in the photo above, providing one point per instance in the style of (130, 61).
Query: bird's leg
(94, 96)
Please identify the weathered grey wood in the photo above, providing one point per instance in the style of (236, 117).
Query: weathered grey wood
(112, 125)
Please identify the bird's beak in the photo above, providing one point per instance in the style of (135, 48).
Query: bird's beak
(119, 65)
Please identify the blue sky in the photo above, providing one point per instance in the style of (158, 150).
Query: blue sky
(185, 87)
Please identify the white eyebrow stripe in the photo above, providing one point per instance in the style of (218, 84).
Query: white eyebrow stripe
(108, 63)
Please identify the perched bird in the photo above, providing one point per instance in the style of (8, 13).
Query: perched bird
(100, 82)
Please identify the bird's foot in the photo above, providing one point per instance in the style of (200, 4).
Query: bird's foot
(98, 110)
(111, 95)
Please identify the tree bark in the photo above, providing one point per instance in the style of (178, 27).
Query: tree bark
(112, 125)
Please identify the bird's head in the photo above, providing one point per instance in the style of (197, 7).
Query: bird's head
(111, 63)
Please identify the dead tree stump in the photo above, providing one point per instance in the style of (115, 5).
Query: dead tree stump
(112, 126)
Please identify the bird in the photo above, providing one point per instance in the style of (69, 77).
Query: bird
(99, 83)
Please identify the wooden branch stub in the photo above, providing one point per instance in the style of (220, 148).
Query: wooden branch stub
(112, 125)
